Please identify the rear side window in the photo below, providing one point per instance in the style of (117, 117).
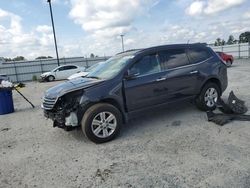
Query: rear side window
(71, 67)
(173, 58)
(197, 55)
(147, 65)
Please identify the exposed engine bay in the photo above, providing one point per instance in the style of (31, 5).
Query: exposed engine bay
(64, 114)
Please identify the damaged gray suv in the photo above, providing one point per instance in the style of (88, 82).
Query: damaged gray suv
(134, 81)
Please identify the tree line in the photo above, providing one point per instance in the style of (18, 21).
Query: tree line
(21, 58)
(243, 38)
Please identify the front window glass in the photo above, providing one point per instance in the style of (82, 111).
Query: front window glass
(111, 67)
(147, 65)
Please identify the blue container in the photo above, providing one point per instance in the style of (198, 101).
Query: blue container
(6, 102)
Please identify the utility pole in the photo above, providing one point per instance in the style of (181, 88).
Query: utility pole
(122, 43)
(54, 33)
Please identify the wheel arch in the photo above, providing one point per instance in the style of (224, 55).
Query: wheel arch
(47, 77)
(213, 80)
(116, 104)
(105, 100)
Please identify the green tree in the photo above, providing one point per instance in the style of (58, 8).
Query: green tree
(217, 42)
(19, 58)
(231, 40)
(7, 59)
(92, 55)
(44, 57)
(244, 37)
(223, 42)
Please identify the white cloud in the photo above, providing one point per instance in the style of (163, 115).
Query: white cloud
(214, 6)
(15, 26)
(247, 15)
(44, 29)
(211, 6)
(195, 8)
(107, 18)
(17, 42)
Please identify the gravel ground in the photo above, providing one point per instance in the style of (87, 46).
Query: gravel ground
(173, 147)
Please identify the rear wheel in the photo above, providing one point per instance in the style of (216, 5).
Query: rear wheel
(229, 63)
(101, 122)
(208, 96)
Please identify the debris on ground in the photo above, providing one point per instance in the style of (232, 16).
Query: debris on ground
(232, 110)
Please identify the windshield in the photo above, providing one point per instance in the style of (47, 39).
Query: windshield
(93, 67)
(111, 67)
(55, 69)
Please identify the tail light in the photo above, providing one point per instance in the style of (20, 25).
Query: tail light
(222, 61)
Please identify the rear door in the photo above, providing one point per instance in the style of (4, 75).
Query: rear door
(199, 58)
(181, 76)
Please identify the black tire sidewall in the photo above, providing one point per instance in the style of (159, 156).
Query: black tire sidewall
(89, 116)
(229, 63)
(201, 98)
(50, 80)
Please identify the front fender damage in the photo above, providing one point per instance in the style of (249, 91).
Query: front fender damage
(65, 114)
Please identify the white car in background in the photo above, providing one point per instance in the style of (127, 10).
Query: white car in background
(85, 72)
(61, 72)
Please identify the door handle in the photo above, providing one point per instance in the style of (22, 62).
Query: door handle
(194, 72)
(160, 79)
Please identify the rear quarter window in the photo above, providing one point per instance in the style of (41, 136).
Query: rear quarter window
(198, 55)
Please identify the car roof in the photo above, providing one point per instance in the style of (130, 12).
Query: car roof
(137, 51)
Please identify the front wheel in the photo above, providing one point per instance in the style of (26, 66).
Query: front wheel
(208, 96)
(51, 78)
(101, 122)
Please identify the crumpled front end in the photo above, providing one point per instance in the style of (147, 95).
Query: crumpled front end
(63, 110)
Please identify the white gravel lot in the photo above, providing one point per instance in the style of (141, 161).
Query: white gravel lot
(173, 147)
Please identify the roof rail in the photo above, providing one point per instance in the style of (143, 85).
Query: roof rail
(201, 43)
(129, 51)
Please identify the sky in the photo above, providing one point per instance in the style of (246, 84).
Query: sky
(94, 26)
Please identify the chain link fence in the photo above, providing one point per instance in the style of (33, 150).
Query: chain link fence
(22, 71)
(241, 50)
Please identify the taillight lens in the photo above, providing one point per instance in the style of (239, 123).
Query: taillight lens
(222, 61)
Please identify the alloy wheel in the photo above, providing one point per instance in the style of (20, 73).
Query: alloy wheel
(211, 97)
(104, 124)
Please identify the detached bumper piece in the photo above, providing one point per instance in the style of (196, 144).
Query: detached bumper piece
(232, 110)
(222, 119)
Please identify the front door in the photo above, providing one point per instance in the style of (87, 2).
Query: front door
(147, 88)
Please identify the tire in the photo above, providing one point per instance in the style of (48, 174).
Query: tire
(229, 63)
(205, 101)
(96, 126)
(51, 78)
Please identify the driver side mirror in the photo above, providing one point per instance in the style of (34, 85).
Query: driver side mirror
(132, 74)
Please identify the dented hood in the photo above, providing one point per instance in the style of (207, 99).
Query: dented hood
(71, 85)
